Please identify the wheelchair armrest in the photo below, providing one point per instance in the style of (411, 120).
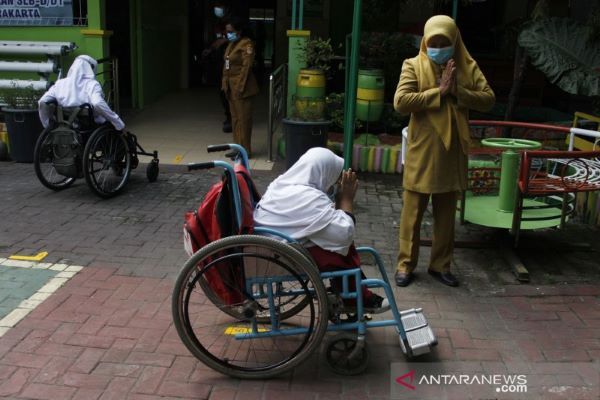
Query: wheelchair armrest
(377, 258)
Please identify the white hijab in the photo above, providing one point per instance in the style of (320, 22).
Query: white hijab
(74, 90)
(296, 202)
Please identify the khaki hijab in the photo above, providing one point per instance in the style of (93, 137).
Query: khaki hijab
(428, 74)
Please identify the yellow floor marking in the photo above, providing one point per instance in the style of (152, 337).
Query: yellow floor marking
(38, 257)
(239, 330)
(178, 159)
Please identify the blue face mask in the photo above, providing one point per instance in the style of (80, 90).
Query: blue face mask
(232, 36)
(440, 56)
(219, 12)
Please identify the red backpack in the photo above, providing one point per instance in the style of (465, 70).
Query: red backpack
(215, 219)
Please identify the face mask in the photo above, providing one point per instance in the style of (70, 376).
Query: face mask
(219, 12)
(440, 56)
(232, 36)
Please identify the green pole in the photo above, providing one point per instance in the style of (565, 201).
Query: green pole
(508, 181)
(352, 85)
(294, 6)
(301, 15)
(455, 9)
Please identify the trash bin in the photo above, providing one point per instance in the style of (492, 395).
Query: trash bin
(24, 128)
(301, 136)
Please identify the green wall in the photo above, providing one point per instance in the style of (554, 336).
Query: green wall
(161, 44)
(89, 39)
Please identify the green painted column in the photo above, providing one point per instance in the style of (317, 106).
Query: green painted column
(297, 39)
(96, 14)
(508, 181)
(352, 85)
(96, 36)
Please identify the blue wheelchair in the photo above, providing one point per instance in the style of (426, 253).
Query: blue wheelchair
(277, 311)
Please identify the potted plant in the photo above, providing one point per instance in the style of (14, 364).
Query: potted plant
(307, 125)
(311, 82)
(20, 109)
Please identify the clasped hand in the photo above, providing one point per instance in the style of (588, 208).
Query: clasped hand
(448, 80)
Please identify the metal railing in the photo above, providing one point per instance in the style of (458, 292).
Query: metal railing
(108, 74)
(277, 103)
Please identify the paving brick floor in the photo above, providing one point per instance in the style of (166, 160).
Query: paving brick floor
(108, 333)
(108, 336)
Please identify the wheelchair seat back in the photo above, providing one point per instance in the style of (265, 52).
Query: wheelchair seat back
(215, 219)
(68, 137)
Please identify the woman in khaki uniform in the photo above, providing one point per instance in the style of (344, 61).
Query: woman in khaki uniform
(437, 88)
(239, 83)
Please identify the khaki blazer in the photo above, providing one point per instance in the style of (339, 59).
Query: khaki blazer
(429, 166)
(238, 80)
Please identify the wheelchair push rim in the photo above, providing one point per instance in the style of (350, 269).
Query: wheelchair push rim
(107, 162)
(43, 157)
(254, 342)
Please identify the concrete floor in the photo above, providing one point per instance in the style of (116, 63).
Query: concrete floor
(181, 125)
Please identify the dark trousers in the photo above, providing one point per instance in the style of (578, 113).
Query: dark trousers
(225, 104)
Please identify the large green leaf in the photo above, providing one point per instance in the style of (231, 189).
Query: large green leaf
(561, 49)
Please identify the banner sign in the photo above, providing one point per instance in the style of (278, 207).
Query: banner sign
(36, 12)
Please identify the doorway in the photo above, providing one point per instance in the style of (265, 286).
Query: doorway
(120, 46)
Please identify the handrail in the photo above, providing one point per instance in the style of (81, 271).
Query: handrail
(277, 103)
(112, 79)
(515, 124)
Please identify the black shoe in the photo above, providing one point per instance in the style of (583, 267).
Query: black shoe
(445, 277)
(403, 279)
(227, 127)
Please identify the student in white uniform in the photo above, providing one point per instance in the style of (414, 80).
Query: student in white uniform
(80, 87)
(297, 204)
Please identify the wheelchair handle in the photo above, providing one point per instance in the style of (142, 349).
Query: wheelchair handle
(198, 166)
(218, 147)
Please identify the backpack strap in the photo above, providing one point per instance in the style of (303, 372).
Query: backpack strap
(60, 117)
(73, 116)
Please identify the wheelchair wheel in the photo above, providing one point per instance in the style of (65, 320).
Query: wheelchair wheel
(43, 158)
(288, 307)
(343, 355)
(107, 162)
(152, 171)
(260, 278)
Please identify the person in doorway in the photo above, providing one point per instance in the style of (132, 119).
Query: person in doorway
(217, 49)
(437, 88)
(297, 204)
(239, 83)
(78, 88)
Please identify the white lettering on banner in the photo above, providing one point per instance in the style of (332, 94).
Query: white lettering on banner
(33, 3)
(23, 13)
(51, 3)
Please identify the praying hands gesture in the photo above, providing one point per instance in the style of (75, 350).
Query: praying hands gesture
(448, 80)
(348, 188)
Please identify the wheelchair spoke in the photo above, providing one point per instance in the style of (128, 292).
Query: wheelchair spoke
(239, 306)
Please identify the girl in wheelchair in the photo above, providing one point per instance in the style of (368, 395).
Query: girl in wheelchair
(297, 204)
(78, 88)
(83, 137)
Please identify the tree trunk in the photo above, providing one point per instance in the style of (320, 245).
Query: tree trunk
(521, 61)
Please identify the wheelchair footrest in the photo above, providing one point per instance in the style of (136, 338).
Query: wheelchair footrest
(419, 335)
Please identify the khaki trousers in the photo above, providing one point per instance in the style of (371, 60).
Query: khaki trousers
(444, 215)
(241, 121)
